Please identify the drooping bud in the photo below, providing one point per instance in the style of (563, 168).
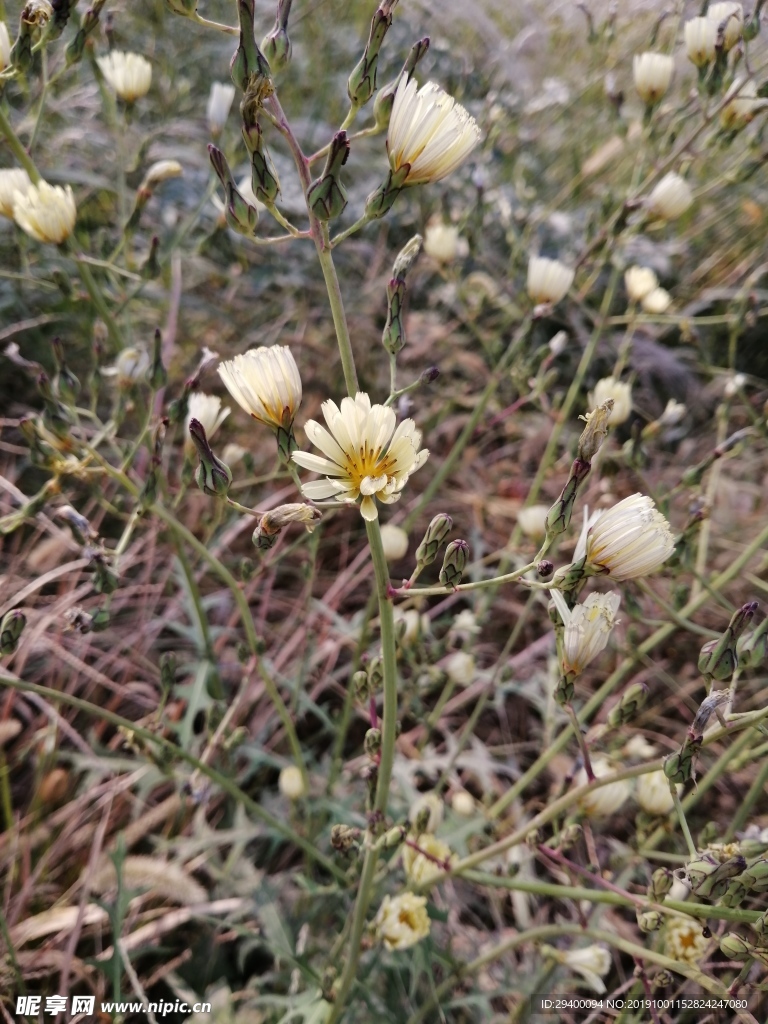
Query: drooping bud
(393, 336)
(718, 658)
(11, 628)
(362, 82)
(248, 62)
(456, 555)
(633, 698)
(241, 216)
(276, 46)
(88, 24)
(212, 476)
(661, 882)
(264, 180)
(435, 534)
(272, 522)
(385, 97)
(679, 767)
(326, 196)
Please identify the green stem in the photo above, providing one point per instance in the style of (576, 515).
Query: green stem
(150, 737)
(17, 149)
(339, 316)
(97, 298)
(683, 823)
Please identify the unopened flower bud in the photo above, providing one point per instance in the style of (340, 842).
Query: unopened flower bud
(276, 46)
(156, 375)
(385, 97)
(248, 65)
(66, 383)
(372, 742)
(734, 947)
(649, 920)
(598, 420)
(212, 476)
(662, 880)
(756, 876)
(718, 658)
(753, 647)
(545, 570)
(11, 628)
(241, 216)
(360, 685)
(633, 698)
(454, 562)
(619, 393)
(265, 184)
(712, 879)
(326, 196)
(362, 82)
(375, 673)
(436, 533)
(559, 516)
(344, 837)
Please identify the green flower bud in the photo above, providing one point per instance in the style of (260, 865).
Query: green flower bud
(276, 46)
(360, 686)
(436, 533)
(718, 658)
(734, 947)
(753, 648)
(372, 742)
(362, 82)
(100, 620)
(212, 476)
(326, 196)
(150, 268)
(156, 374)
(456, 555)
(66, 383)
(105, 580)
(382, 199)
(264, 180)
(241, 216)
(385, 97)
(760, 927)
(56, 416)
(11, 628)
(679, 767)
(649, 920)
(595, 431)
(88, 24)
(375, 673)
(715, 884)
(248, 63)
(393, 336)
(559, 516)
(393, 837)
(167, 669)
(756, 876)
(632, 700)
(736, 893)
(661, 883)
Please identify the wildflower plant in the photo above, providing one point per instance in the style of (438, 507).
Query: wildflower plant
(205, 641)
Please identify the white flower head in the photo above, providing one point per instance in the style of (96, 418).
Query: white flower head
(402, 921)
(587, 628)
(46, 212)
(657, 302)
(443, 243)
(12, 180)
(364, 455)
(291, 783)
(727, 17)
(592, 963)
(460, 668)
(207, 410)
(131, 366)
(408, 624)
(5, 47)
(684, 940)
(429, 131)
(620, 392)
(671, 197)
(673, 414)
(653, 793)
(548, 280)
(700, 41)
(129, 74)
(395, 541)
(265, 382)
(605, 800)
(219, 104)
(533, 521)
(463, 803)
(639, 282)
(743, 106)
(630, 539)
(652, 73)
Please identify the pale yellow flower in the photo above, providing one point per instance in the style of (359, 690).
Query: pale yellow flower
(671, 197)
(443, 242)
(395, 542)
(46, 212)
(429, 131)
(605, 800)
(364, 455)
(620, 392)
(5, 47)
(207, 410)
(640, 281)
(587, 628)
(630, 539)
(657, 302)
(548, 280)
(12, 180)
(673, 413)
(129, 74)
(460, 668)
(131, 366)
(291, 783)
(421, 870)
(463, 803)
(653, 793)
(265, 382)
(729, 17)
(652, 73)
(592, 963)
(700, 40)
(684, 940)
(219, 104)
(402, 921)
